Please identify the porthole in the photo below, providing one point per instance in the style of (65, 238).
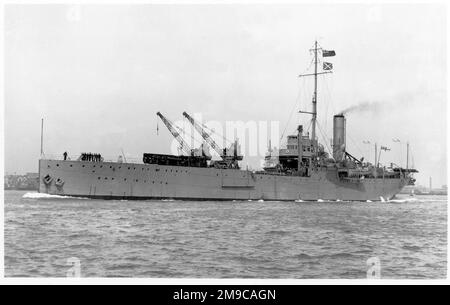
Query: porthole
(57, 164)
(71, 165)
(106, 178)
(125, 179)
(98, 178)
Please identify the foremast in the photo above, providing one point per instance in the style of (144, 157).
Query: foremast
(327, 67)
(314, 100)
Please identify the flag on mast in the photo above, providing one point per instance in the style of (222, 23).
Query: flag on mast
(328, 53)
(327, 66)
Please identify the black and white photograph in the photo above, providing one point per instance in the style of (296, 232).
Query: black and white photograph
(215, 141)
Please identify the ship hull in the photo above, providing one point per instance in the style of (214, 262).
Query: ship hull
(110, 180)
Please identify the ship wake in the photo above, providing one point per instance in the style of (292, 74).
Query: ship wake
(35, 195)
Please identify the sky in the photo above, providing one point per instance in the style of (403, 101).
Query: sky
(98, 74)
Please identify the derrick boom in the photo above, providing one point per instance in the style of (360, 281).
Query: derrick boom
(184, 146)
(204, 135)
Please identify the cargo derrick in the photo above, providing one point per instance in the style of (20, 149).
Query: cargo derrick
(193, 157)
(228, 160)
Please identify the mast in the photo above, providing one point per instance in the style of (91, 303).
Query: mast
(42, 137)
(376, 165)
(314, 101)
(300, 148)
(407, 155)
(327, 67)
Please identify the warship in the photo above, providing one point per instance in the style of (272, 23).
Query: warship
(301, 171)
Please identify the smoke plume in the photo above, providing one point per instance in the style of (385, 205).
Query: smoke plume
(372, 106)
(397, 102)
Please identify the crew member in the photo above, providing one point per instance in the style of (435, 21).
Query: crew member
(65, 155)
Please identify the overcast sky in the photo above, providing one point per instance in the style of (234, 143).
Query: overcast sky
(99, 74)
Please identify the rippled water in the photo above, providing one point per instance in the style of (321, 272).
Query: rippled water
(178, 239)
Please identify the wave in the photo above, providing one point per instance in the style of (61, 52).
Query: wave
(303, 256)
(35, 195)
(417, 200)
(412, 248)
(405, 200)
(277, 232)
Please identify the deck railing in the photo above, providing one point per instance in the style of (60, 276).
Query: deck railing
(74, 157)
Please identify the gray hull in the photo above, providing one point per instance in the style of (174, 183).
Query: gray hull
(111, 180)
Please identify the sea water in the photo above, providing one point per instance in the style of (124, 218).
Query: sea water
(45, 235)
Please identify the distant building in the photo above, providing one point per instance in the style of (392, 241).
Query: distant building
(29, 181)
(422, 190)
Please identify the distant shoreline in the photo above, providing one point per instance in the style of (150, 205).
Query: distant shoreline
(19, 189)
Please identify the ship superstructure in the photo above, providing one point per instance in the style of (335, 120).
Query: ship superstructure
(303, 170)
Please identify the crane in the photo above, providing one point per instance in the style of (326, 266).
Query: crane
(227, 160)
(205, 135)
(183, 145)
